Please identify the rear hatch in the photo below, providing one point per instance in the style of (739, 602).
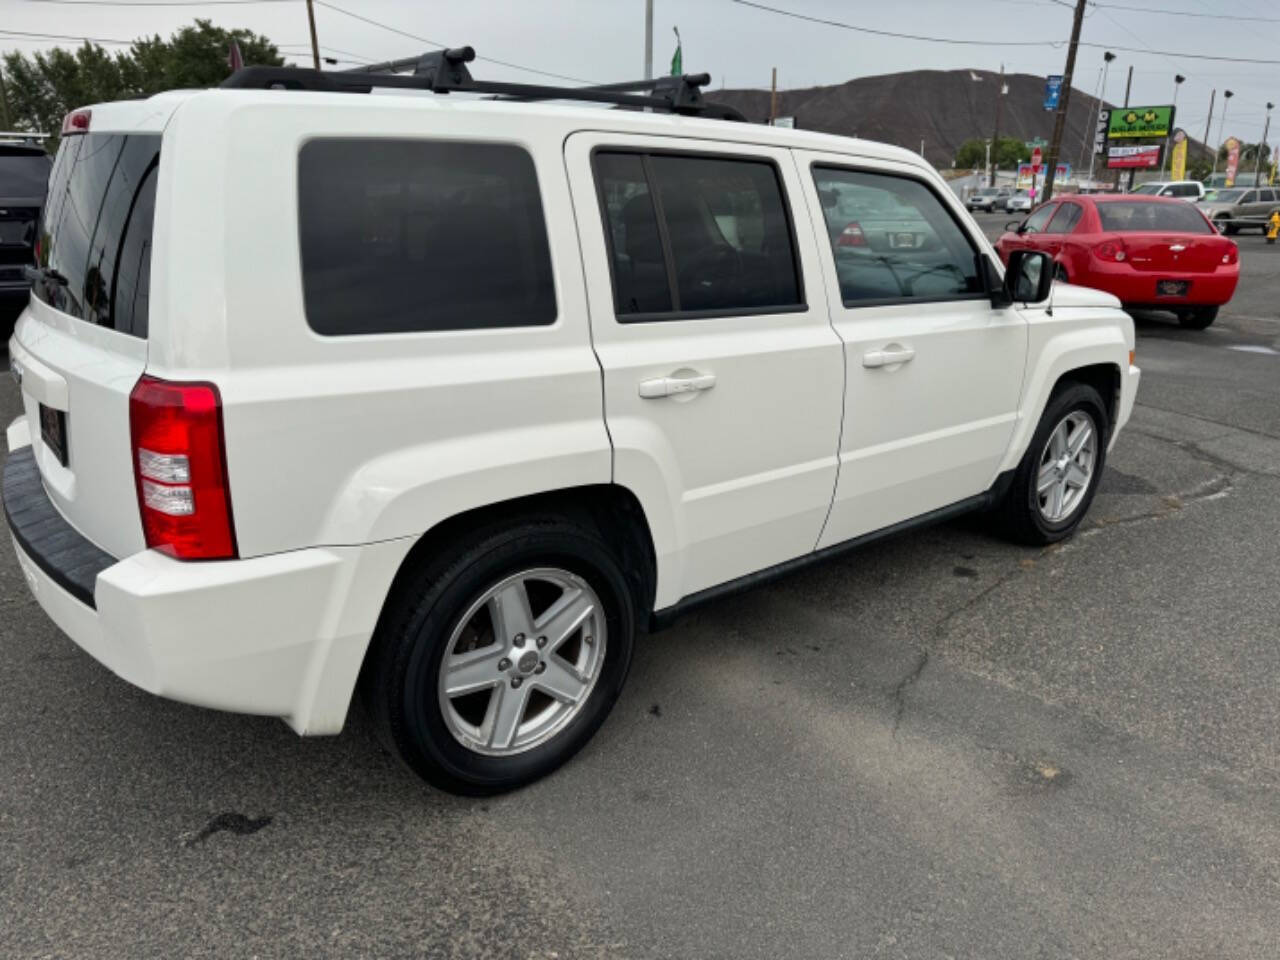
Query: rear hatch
(1164, 236)
(24, 173)
(81, 345)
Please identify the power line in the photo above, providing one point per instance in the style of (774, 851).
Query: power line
(61, 36)
(156, 3)
(1188, 13)
(1000, 43)
(890, 33)
(437, 43)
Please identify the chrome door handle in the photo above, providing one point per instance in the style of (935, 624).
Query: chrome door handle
(670, 386)
(887, 357)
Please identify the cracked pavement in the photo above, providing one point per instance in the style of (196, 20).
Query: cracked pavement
(939, 746)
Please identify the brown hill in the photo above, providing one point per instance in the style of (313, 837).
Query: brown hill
(943, 108)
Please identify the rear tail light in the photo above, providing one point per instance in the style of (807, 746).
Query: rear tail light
(180, 465)
(1232, 255)
(1111, 250)
(77, 121)
(852, 236)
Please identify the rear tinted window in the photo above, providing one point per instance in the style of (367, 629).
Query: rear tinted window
(401, 236)
(1171, 217)
(95, 238)
(24, 174)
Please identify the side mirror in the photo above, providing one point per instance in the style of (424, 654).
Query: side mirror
(1029, 277)
(1014, 225)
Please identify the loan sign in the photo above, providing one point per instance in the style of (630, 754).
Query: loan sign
(1133, 123)
(1123, 158)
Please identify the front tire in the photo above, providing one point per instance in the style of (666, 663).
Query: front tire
(496, 663)
(1200, 318)
(1058, 475)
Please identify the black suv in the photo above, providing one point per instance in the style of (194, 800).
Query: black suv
(24, 177)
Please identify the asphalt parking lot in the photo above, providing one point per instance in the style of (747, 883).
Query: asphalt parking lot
(941, 746)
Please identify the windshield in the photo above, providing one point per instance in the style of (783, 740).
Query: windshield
(1158, 216)
(1148, 189)
(1223, 196)
(24, 174)
(988, 192)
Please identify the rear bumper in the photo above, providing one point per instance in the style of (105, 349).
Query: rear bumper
(281, 635)
(1139, 289)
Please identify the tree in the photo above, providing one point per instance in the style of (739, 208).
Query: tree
(44, 87)
(1010, 152)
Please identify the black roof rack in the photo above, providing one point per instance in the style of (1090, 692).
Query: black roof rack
(445, 71)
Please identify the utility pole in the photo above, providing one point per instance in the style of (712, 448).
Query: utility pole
(648, 39)
(773, 97)
(1257, 164)
(1055, 145)
(995, 134)
(1121, 174)
(4, 103)
(315, 47)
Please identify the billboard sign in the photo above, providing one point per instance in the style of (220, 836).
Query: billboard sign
(1146, 156)
(1135, 123)
(1178, 158)
(1062, 175)
(1052, 91)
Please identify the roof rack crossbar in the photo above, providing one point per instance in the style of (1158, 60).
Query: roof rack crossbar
(445, 71)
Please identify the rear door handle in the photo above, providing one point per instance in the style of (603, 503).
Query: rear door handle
(670, 386)
(887, 357)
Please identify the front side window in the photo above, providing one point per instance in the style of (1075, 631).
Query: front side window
(1040, 219)
(696, 235)
(1250, 196)
(893, 239)
(1065, 220)
(405, 236)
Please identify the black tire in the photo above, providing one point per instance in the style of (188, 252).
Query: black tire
(1225, 227)
(399, 682)
(1201, 318)
(1018, 515)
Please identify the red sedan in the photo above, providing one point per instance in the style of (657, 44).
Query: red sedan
(1151, 252)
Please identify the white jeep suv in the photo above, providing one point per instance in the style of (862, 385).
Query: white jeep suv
(448, 400)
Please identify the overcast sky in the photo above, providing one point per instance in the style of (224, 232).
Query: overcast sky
(603, 40)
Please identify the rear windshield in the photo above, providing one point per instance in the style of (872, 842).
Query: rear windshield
(95, 237)
(402, 236)
(24, 173)
(1156, 216)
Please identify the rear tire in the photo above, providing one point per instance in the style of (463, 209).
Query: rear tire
(1201, 318)
(1049, 470)
(442, 618)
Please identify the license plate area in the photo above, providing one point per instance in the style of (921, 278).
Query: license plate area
(902, 241)
(53, 431)
(1172, 288)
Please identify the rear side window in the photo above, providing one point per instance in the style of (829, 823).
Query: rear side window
(95, 237)
(1184, 190)
(696, 236)
(1267, 196)
(1065, 220)
(406, 236)
(1170, 217)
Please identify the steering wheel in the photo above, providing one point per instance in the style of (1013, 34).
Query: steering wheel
(936, 268)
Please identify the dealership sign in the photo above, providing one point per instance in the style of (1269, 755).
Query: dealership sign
(1134, 123)
(1052, 91)
(1145, 156)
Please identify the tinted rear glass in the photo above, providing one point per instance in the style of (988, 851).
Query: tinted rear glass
(24, 174)
(95, 237)
(401, 236)
(1169, 217)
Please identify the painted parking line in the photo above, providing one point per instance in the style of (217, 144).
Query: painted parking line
(1254, 348)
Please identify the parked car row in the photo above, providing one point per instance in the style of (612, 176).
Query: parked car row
(991, 199)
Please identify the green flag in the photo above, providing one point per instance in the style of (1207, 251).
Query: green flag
(677, 60)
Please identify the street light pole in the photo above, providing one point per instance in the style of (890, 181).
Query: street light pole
(1226, 96)
(1177, 82)
(1257, 164)
(648, 39)
(1107, 57)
